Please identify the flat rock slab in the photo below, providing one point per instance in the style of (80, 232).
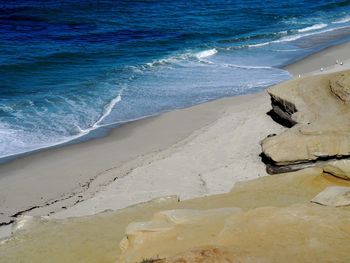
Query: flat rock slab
(182, 216)
(333, 196)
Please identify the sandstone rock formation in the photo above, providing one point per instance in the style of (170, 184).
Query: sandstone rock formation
(333, 196)
(317, 105)
(277, 221)
(339, 168)
(138, 233)
(301, 233)
(340, 87)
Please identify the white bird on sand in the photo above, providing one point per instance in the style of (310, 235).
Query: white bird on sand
(321, 69)
(341, 63)
(299, 75)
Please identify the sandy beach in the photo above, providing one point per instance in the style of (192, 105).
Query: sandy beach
(211, 146)
(64, 176)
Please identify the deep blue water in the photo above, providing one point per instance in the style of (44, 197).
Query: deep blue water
(70, 67)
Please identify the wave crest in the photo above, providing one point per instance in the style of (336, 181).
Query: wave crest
(313, 27)
(206, 53)
(342, 20)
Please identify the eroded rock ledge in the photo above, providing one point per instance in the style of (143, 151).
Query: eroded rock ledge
(317, 110)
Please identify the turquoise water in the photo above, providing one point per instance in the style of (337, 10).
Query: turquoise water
(72, 67)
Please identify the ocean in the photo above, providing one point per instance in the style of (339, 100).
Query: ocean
(70, 68)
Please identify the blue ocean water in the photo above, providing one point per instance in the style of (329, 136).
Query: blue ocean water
(70, 67)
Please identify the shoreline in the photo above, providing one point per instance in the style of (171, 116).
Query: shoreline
(105, 131)
(325, 58)
(134, 139)
(88, 173)
(310, 62)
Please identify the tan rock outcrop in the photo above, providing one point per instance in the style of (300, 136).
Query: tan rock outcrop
(322, 128)
(140, 234)
(339, 168)
(300, 233)
(340, 86)
(333, 196)
(277, 222)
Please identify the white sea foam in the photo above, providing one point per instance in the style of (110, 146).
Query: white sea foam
(159, 62)
(296, 37)
(259, 44)
(313, 27)
(178, 58)
(107, 110)
(245, 67)
(290, 38)
(206, 53)
(6, 108)
(342, 20)
(284, 32)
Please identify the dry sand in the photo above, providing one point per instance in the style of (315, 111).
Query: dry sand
(192, 152)
(325, 59)
(209, 161)
(57, 174)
